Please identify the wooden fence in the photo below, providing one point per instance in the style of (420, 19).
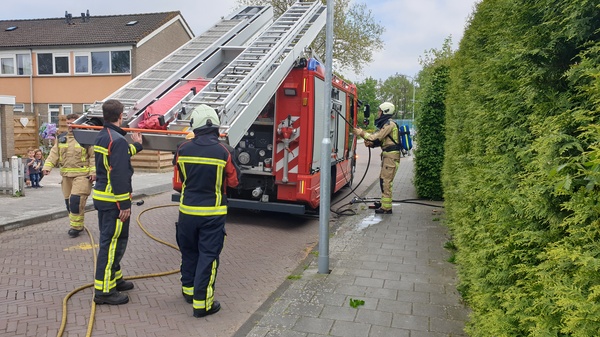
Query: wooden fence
(26, 134)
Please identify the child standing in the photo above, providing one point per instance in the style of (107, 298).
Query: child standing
(35, 168)
(30, 154)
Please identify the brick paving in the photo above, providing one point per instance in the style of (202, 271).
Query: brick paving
(395, 263)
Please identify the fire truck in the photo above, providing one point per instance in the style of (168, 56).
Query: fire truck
(269, 92)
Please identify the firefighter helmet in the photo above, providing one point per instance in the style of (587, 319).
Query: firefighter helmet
(387, 108)
(203, 115)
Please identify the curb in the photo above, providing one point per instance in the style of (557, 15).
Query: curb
(145, 192)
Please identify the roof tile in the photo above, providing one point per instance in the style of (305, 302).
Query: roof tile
(98, 30)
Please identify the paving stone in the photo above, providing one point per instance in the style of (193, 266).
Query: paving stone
(313, 325)
(374, 317)
(350, 329)
(339, 313)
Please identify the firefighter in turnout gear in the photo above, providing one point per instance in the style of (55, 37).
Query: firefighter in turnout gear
(387, 137)
(76, 164)
(112, 199)
(206, 168)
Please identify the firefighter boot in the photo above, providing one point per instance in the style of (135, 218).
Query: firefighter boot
(74, 232)
(203, 312)
(375, 205)
(188, 298)
(115, 298)
(383, 211)
(123, 285)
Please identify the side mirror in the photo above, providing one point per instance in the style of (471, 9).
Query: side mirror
(367, 114)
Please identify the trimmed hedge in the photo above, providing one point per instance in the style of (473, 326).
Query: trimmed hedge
(522, 167)
(429, 154)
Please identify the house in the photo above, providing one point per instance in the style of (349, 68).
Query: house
(61, 65)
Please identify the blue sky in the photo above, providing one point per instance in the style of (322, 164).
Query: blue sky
(412, 27)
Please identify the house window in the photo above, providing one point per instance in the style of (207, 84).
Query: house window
(15, 64)
(87, 107)
(50, 64)
(7, 66)
(44, 64)
(120, 62)
(23, 64)
(111, 62)
(82, 64)
(61, 64)
(100, 62)
(54, 110)
(19, 107)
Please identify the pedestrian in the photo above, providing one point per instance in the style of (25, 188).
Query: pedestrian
(387, 137)
(78, 172)
(34, 166)
(206, 168)
(30, 159)
(112, 199)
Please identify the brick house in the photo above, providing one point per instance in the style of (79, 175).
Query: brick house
(57, 66)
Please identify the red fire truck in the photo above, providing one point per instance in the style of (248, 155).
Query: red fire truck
(270, 96)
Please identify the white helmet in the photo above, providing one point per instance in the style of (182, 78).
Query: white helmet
(387, 108)
(203, 115)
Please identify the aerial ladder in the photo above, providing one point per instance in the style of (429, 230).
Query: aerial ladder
(196, 58)
(242, 78)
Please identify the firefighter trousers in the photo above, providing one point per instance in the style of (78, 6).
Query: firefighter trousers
(76, 191)
(200, 240)
(114, 235)
(389, 166)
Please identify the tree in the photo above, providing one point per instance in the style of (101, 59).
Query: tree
(368, 93)
(398, 90)
(356, 34)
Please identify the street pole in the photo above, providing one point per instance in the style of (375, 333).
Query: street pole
(325, 201)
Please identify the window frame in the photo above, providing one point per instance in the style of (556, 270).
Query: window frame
(15, 58)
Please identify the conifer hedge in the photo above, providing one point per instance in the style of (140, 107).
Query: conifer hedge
(429, 154)
(521, 173)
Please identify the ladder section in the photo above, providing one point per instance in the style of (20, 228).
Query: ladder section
(148, 86)
(245, 86)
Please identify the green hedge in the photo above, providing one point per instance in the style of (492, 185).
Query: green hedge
(522, 167)
(429, 154)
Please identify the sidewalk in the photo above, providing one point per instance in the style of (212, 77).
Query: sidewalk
(47, 203)
(395, 263)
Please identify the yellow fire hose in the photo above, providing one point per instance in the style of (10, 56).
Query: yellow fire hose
(63, 324)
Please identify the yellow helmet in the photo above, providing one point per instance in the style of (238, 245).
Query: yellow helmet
(387, 108)
(203, 115)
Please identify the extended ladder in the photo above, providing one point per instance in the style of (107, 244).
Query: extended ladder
(237, 29)
(244, 87)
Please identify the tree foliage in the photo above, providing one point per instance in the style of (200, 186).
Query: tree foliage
(356, 34)
(520, 175)
(398, 90)
(430, 122)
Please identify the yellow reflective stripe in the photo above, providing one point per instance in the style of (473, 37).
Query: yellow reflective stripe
(108, 196)
(201, 160)
(73, 169)
(188, 290)
(49, 164)
(100, 149)
(203, 210)
(63, 145)
(118, 275)
(132, 150)
(210, 298)
(112, 248)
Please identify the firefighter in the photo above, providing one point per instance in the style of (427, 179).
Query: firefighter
(112, 199)
(386, 137)
(206, 168)
(78, 171)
